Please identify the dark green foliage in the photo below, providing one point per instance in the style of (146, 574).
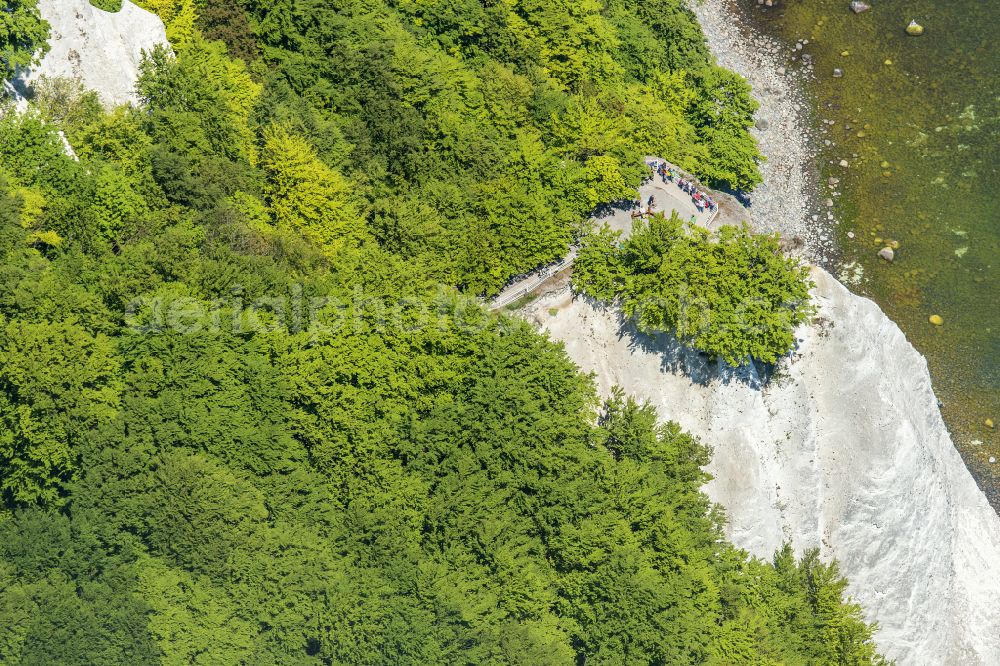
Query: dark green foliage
(23, 35)
(733, 295)
(225, 21)
(66, 600)
(500, 127)
(243, 422)
(107, 5)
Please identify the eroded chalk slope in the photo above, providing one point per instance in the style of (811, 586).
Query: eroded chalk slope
(843, 449)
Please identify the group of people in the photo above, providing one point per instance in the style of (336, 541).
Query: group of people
(669, 174)
(639, 211)
(700, 199)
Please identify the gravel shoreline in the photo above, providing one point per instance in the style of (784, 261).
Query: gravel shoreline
(788, 201)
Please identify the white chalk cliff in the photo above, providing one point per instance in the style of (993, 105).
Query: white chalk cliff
(844, 449)
(101, 49)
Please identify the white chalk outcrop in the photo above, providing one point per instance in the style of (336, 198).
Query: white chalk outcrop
(101, 49)
(844, 449)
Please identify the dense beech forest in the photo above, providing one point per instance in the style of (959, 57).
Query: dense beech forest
(251, 411)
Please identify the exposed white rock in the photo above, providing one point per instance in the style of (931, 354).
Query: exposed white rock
(101, 49)
(844, 450)
(849, 452)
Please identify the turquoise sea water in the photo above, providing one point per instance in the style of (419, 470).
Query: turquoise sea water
(924, 149)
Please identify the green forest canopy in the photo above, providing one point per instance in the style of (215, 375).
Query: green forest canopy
(475, 137)
(205, 459)
(732, 294)
(23, 36)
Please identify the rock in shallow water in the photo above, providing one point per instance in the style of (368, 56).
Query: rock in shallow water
(887, 254)
(914, 29)
(859, 7)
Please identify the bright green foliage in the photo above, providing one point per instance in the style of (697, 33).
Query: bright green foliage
(179, 16)
(306, 195)
(64, 102)
(598, 270)
(605, 181)
(23, 35)
(107, 5)
(118, 138)
(58, 382)
(201, 100)
(787, 596)
(733, 295)
(424, 494)
(445, 104)
(724, 117)
(586, 130)
(250, 412)
(118, 209)
(191, 620)
(574, 40)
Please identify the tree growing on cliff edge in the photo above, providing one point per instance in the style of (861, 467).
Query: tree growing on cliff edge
(23, 35)
(733, 294)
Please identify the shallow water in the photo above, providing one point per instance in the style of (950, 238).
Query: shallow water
(918, 120)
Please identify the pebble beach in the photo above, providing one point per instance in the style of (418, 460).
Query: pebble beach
(788, 201)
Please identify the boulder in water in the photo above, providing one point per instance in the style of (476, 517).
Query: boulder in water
(859, 7)
(914, 29)
(887, 253)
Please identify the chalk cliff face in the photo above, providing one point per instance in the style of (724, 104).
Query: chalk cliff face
(101, 49)
(844, 449)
